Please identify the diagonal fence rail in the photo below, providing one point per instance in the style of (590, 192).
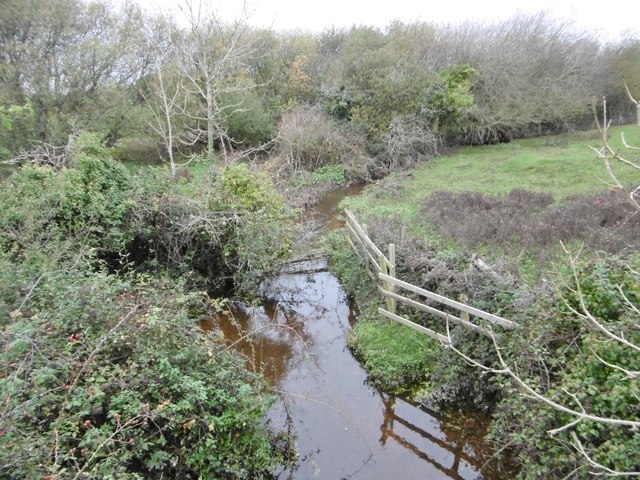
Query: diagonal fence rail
(382, 269)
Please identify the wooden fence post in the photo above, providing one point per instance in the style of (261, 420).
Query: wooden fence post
(464, 315)
(391, 303)
(384, 268)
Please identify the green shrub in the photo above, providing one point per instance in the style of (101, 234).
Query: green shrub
(110, 378)
(258, 231)
(109, 375)
(567, 365)
(91, 199)
(330, 173)
(240, 190)
(15, 123)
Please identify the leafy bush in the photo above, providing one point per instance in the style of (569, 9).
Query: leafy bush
(231, 239)
(109, 375)
(448, 97)
(242, 191)
(567, 364)
(333, 174)
(15, 122)
(92, 199)
(110, 378)
(257, 229)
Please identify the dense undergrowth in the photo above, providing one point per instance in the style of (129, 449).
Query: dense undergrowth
(526, 277)
(104, 371)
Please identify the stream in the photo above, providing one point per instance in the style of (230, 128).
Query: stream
(344, 427)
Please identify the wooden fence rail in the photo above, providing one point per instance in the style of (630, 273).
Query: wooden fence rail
(384, 273)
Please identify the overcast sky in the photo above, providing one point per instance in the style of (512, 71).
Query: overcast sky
(609, 19)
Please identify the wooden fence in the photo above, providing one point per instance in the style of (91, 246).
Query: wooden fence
(383, 271)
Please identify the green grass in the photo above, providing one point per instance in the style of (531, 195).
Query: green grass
(199, 171)
(562, 164)
(395, 356)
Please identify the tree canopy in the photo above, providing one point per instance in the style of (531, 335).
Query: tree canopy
(69, 65)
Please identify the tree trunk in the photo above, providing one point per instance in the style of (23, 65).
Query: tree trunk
(210, 123)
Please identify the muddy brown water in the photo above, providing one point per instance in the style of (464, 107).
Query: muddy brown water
(344, 427)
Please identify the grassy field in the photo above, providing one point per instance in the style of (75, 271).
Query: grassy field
(563, 165)
(563, 196)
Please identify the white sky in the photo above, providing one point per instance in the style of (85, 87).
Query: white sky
(609, 19)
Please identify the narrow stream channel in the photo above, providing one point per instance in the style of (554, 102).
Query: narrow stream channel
(344, 427)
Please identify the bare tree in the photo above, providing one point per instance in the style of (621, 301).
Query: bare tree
(636, 102)
(165, 109)
(212, 59)
(164, 92)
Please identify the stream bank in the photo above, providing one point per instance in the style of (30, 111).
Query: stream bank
(344, 427)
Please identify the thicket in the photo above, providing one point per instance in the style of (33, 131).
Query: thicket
(531, 222)
(104, 371)
(567, 358)
(380, 98)
(555, 350)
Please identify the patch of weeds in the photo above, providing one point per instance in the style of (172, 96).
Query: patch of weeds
(395, 356)
(529, 222)
(330, 173)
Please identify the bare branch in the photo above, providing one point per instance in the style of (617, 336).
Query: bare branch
(629, 373)
(629, 147)
(626, 87)
(45, 154)
(505, 369)
(602, 470)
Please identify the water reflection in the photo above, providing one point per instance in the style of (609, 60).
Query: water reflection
(344, 427)
(267, 336)
(455, 444)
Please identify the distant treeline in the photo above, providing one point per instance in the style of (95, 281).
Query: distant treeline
(203, 84)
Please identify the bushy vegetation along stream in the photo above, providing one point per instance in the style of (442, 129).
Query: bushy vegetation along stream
(104, 370)
(105, 270)
(566, 305)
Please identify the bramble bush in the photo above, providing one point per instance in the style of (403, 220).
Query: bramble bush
(108, 377)
(104, 372)
(564, 358)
